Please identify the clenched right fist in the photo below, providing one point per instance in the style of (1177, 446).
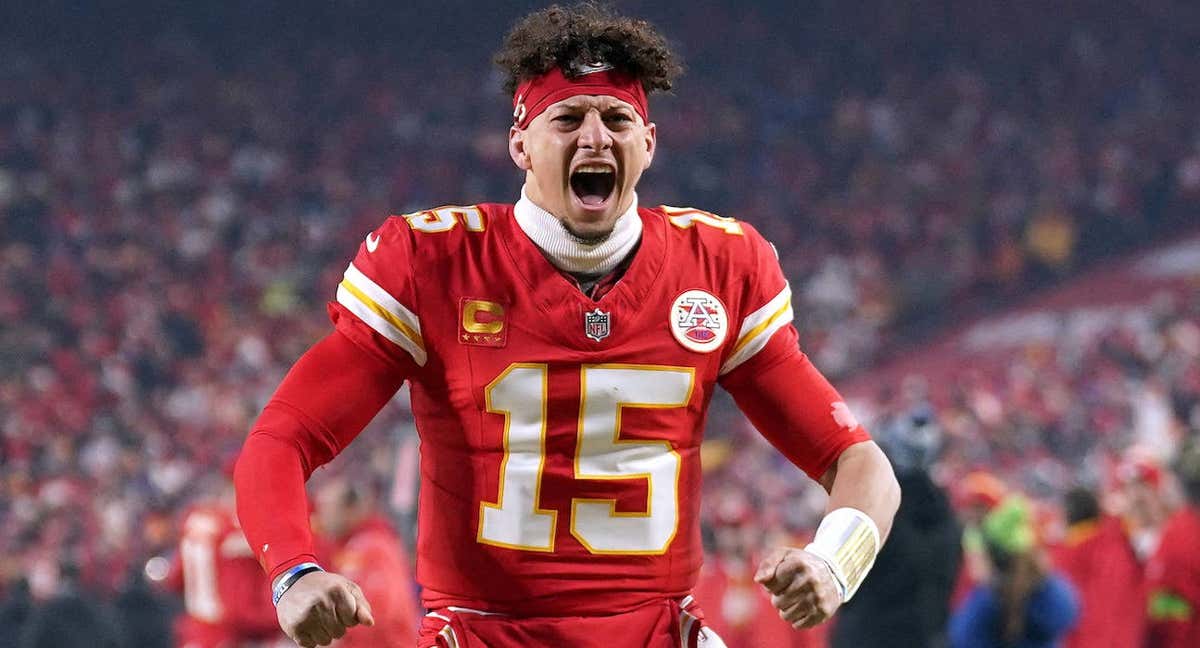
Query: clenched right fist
(319, 608)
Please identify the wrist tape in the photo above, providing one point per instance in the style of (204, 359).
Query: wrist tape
(848, 541)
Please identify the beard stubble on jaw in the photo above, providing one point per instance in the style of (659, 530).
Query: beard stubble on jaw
(587, 240)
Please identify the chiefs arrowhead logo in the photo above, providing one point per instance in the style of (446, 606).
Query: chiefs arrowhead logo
(698, 321)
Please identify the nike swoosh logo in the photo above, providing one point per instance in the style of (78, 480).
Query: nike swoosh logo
(372, 243)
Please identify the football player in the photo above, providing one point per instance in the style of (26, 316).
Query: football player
(562, 352)
(224, 605)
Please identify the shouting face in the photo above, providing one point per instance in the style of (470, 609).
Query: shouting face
(583, 157)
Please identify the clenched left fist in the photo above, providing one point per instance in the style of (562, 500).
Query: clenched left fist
(802, 586)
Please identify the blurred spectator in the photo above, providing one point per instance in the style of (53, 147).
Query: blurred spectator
(1097, 558)
(226, 596)
(1174, 569)
(735, 607)
(978, 494)
(1143, 501)
(142, 614)
(369, 552)
(15, 610)
(906, 601)
(1023, 605)
(71, 619)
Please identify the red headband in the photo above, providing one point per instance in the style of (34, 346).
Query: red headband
(539, 93)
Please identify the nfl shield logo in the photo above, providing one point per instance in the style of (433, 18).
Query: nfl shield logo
(595, 324)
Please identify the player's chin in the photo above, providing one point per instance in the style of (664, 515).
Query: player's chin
(592, 219)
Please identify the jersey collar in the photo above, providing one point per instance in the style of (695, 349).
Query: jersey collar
(568, 253)
(551, 289)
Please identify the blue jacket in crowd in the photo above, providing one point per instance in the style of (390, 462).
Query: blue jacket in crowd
(1052, 611)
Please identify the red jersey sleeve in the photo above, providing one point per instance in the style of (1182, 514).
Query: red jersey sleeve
(327, 398)
(376, 304)
(330, 395)
(765, 333)
(773, 382)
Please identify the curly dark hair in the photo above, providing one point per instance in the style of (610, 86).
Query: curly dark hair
(567, 37)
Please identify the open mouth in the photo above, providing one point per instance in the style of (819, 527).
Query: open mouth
(593, 184)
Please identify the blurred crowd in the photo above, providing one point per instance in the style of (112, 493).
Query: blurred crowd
(1095, 430)
(178, 199)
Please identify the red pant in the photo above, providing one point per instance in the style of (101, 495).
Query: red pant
(664, 624)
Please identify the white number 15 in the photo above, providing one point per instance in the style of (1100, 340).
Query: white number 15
(516, 520)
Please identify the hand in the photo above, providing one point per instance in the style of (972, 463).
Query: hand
(319, 608)
(801, 585)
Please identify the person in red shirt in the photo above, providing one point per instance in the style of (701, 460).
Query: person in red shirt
(1098, 559)
(1173, 573)
(562, 352)
(1142, 499)
(224, 600)
(735, 607)
(365, 549)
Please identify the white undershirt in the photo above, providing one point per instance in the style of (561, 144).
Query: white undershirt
(570, 254)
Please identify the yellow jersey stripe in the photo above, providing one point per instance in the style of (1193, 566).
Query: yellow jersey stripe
(382, 297)
(758, 327)
(748, 337)
(756, 343)
(764, 312)
(385, 314)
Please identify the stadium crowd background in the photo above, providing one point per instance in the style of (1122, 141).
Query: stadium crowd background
(180, 191)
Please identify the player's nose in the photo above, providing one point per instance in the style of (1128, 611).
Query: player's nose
(593, 133)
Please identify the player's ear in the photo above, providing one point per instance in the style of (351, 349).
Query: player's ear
(651, 140)
(516, 149)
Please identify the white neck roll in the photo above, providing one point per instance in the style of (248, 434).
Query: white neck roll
(570, 254)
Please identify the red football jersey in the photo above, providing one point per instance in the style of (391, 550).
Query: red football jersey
(373, 556)
(560, 435)
(1173, 576)
(1094, 556)
(225, 593)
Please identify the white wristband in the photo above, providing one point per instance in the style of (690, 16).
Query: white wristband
(848, 541)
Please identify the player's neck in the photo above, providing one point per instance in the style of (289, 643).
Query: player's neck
(570, 254)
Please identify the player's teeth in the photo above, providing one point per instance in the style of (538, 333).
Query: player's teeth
(593, 168)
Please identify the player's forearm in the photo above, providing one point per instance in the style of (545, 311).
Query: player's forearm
(862, 479)
(327, 398)
(863, 498)
(271, 503)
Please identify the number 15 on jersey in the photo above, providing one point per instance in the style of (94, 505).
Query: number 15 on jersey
(515, 518)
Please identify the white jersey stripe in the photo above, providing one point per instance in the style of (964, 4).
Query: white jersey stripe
(447, 633)
(759, 317)
(373, 315)
(758, 327)
(383, 298)
(454, 608)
